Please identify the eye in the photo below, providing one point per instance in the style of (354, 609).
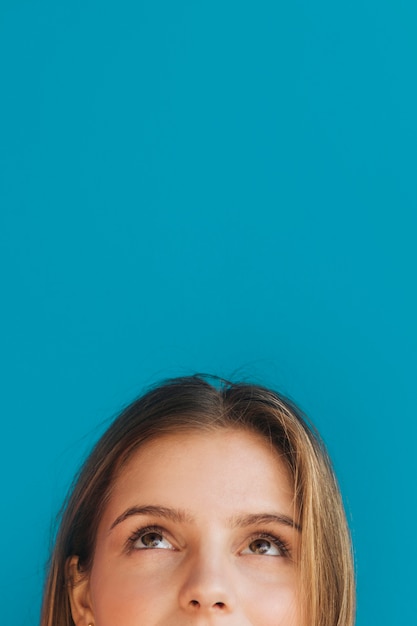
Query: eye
(266, 545)
(150, 538)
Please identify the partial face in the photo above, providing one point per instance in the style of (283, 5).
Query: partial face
(198, 532)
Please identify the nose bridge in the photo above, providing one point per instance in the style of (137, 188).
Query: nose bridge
(208, 584)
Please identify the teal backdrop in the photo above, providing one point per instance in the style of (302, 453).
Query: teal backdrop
(227, 187)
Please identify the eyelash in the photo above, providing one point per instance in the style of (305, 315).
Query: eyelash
(130, 544)
(276, 541)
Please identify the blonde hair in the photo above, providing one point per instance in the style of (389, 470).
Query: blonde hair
(327, 594)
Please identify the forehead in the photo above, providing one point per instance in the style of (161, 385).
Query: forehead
(224, 471)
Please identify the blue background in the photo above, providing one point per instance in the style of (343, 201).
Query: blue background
(210, 186)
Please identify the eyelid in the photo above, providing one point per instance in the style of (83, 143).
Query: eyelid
(277, 541)
(282, 545)
(143, 530)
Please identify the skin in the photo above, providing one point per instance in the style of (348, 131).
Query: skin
(204, 561)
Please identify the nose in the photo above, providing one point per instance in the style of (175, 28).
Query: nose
(208, 587)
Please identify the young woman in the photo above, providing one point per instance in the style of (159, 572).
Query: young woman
(204, 504)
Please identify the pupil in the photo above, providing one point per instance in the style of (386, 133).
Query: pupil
(260, 546)
(151, 539)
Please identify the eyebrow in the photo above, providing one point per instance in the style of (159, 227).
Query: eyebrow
(180, 516)
(175, 515)
(254, 519)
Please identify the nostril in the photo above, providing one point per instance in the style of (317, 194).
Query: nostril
(217, 605)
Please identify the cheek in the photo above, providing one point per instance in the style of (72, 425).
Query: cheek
(127, 596)
(271, 605)
(113, 598)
